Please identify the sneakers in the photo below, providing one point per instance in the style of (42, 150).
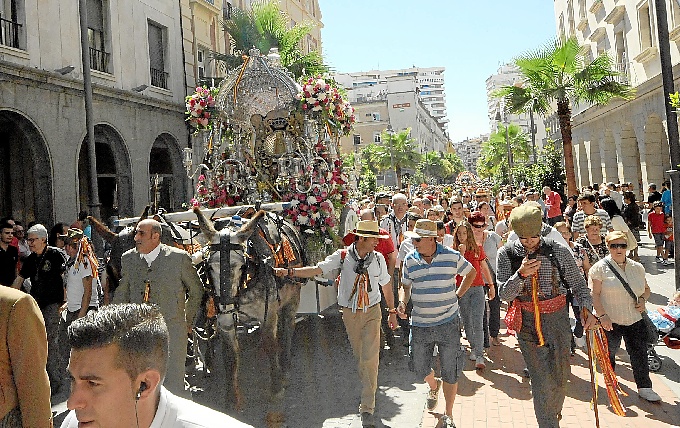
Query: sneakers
(367, 420)
(480, 363)
(445, 421)
(433, 396)
(664, 262)
(649, 395)
(580, 341)
(658, 259)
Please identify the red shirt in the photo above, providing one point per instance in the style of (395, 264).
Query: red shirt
(657, 222)
(384, 247)
(552, 203)
(476, 262)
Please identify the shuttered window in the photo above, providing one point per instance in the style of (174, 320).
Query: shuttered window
(159, 77)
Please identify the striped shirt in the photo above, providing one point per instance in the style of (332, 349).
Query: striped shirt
(433, 285)
(580, 216)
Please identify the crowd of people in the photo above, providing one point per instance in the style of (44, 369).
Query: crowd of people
(436, 263)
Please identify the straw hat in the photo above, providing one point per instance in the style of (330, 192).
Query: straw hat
(72, 234)
(368, 229)
(424, 229)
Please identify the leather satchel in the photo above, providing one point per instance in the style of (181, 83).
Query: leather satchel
(650, 328)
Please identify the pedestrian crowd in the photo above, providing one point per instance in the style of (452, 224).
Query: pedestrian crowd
(436, 263)
(456, 253)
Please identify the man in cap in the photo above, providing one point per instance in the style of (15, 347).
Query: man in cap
(430, 271)
(534, 274)
(363, 271)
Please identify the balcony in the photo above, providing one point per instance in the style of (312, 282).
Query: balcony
(99, 60)
(159, 78)
(623, 70)
(9, 33)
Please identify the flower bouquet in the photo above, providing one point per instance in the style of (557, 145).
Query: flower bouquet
(321, 99)
(201, 108)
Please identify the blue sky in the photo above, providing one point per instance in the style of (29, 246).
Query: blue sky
(470, 38)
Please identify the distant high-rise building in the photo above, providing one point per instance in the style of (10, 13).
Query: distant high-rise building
(468, 151)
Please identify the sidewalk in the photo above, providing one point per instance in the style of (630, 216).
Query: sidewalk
(500, 397)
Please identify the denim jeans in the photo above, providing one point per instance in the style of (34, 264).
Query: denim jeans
(472, 313)
(56, 369)
(492, 317)
(451, 355)
(634, 335)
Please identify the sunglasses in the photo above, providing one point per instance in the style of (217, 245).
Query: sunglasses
(416, 239)
(479, 226)
(615, 246)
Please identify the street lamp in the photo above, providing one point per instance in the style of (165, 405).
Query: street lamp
(507, 141)
(390, 133)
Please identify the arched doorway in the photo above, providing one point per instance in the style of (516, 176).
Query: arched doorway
(656, 151)
(113, 174)
(629, 158)
(25, 171)
(166, 175)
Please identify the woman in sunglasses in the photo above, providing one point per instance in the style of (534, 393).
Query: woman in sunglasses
(472, 303)
(618, 313)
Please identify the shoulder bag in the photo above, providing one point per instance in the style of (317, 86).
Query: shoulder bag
(650, 328)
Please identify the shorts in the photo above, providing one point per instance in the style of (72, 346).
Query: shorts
(668, 245)
(658, 239)
(451, 353)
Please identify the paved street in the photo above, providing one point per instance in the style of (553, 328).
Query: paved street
(324, 390)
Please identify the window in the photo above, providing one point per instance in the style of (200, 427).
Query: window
(561, 29)
(202, 64)
(376, 137)
(159, 77)
(645, 26)
(376, 116)
(357, 139)
(99, 58)
(570, 18)
(226, 11)
(674, 14)
(12, 19)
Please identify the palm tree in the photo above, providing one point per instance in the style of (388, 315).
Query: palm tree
(493, 158)
(265, 26)
(559, 72)
(398, 151)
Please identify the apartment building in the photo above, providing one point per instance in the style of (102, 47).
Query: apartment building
(508, 75)
(139, 85)
(625, 140)
(468, 151)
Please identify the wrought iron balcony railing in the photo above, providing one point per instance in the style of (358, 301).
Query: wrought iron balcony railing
(99, 60)
(9, 33)
(159, 78)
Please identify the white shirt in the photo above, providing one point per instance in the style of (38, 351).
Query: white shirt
(617, 303)
(176, 412)
(75, 289)
(152, 255)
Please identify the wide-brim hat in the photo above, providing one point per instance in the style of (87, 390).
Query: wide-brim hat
(481, 192)
(368, 229)
(424, 228)
(526, 221)
(71, 235)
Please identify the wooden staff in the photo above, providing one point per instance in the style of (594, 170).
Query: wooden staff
(593, 385)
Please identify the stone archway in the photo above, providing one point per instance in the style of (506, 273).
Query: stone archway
(581, 163)
(166, 174)
(595, 161)
(609, 158)
(629, 157)
(25, 171)
(114, 176)
(656, 151)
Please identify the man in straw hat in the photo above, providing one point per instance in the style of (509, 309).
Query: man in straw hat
(430, 270)
(534, 274)
(363, 271)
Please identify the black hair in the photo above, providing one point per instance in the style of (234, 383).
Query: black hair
(587, 196)
(609, 205)
(138, 330)
(57, 229)
(6, 225)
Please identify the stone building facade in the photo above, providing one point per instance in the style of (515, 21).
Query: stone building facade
(624, 141)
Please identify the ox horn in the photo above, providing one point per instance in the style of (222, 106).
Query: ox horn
(205, 224)
(103, 230)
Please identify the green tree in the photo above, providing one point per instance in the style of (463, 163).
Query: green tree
(434, 166)
(265, 26)
(455, 166)
(560, 72)
(397, 150)
(493, 158)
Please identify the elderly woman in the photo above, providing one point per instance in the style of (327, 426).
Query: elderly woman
(589, 249)
(618, 313)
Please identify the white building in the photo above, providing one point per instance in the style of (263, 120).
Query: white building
(508, 75)
(139, 84)
(468, 151)
(625, 140)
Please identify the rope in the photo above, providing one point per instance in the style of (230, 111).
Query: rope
(537, 311)
(598, 350)
(246, 60)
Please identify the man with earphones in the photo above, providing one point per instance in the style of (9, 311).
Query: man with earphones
(119, 358)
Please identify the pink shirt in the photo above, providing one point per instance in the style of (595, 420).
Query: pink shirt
(552, 202)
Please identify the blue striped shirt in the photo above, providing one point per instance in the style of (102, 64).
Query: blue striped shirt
(433, 285)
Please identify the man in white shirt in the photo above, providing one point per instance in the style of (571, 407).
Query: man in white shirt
(363, 271)
(118, 363)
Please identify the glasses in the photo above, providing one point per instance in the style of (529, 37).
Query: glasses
(31, 240)
(479, 226)
(615, 246)
(416, 239)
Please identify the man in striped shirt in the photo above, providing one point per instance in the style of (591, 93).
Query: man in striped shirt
(428, 278)
(586, 201)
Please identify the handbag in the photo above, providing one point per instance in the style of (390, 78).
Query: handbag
(650, 328)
